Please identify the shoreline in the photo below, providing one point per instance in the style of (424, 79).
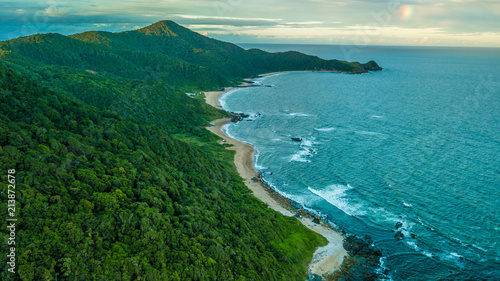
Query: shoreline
(326, 259)
(212, 97)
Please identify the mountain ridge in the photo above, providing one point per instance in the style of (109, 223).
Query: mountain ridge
(172, 40)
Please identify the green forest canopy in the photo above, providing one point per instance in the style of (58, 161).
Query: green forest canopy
(117, 179)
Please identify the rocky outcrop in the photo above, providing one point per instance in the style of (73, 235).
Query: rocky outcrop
(237, 117)
(371, 66)
(362, 263)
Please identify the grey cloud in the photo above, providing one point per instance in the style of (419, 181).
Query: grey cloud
(241, 22)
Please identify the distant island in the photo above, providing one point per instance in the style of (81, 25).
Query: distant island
(117, 177)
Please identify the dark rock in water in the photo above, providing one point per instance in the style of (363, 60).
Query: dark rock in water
(356, 246)
(314, 277)
(316, 220)
(413, 235)
(236, 117)
(399, 235)
(399, 224)
(362, 263)
(297, 139)
(368, 240)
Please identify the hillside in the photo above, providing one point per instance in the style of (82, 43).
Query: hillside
(117, 178)
(159, 49)
(100, 197)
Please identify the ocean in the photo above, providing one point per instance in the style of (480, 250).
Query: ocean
(414, 148)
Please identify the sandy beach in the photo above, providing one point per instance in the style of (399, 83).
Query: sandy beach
(326, 259)
(212, 97)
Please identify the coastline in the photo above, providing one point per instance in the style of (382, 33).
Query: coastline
(327, 259)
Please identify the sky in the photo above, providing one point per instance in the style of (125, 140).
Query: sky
(461, 23)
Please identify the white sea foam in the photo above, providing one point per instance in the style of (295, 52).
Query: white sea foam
(299, 114)
(260, 167)
(415, 247)
(336, 195)
(406, 227)
(308, 142)
(295, 198)
(300, 156)
(429, 254)
(253, 116)
(407, 204)
(256, 160)
(260, 81)
(223, 98)
(418, 249)
(377, 116)
(380, 270)
(325, 129)
(306, 150)
(479, 248)
(225, 130)
(456, 255)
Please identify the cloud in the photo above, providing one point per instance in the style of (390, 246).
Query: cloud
(305, 21)
(230, 21)
(53, 11)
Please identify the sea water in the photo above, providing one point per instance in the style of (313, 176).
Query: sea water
(416, 144)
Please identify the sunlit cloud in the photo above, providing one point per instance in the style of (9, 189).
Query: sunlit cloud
(392, 22)
(54, 11)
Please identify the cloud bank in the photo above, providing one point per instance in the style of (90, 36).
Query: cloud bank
(376, 22)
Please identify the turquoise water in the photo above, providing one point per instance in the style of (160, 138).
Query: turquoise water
(417, 143)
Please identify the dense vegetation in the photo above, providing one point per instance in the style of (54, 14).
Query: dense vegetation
(100, 197)
(117, 179)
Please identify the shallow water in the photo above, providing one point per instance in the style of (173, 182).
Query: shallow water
(417, 143)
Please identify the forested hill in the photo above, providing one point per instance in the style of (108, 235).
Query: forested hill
(116, 176)
(102, 198)
(142, 74)
(171, 53)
